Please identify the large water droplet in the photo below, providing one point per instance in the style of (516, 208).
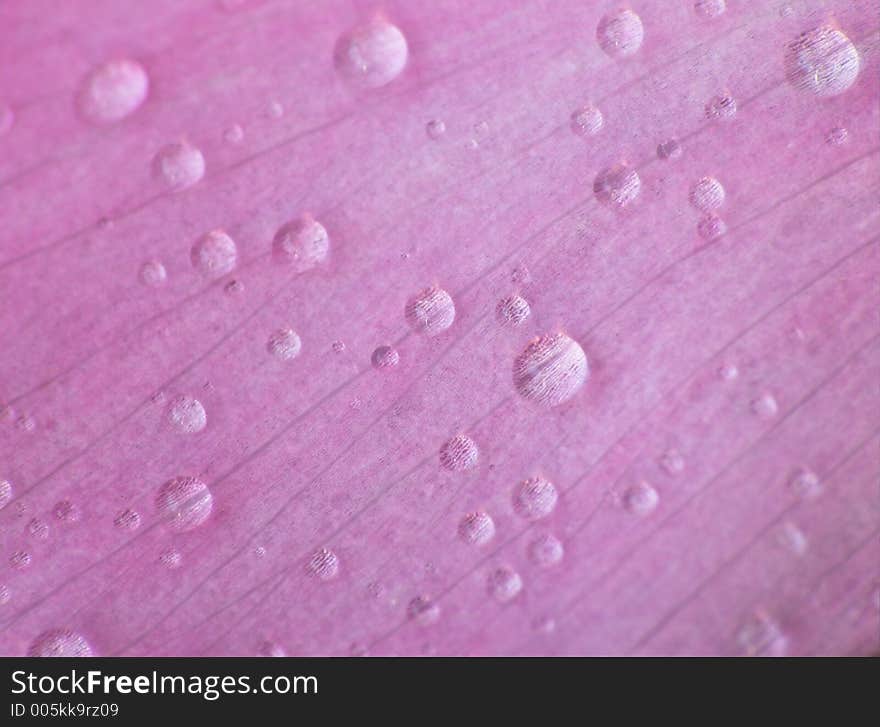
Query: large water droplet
(504, 584)
(550, 370)
(302, 244)
(546, 551)
(371, 55)
(184, 503)
(431, 311)
(534, 498)
(60, 642)
(617, 186)
(214, 254)
(476, 528)
(113, 91)
(459, 453)
(179, 165)
(187, 415)
(707, 194)
(284, 344)
(620, 34)
(513, 310)
(823, 61)
(324, 564)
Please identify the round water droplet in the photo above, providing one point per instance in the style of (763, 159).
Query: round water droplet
(672, 462)
(669, 149)
(728, 372)
(284, 344)
(721, 108)
(550, 370)
(20, 559)
(324, 564)
(7, 119)
(60, 642)
(214, 254)
(302, 244)
(234, 134)
(38, 529)
(823, 61)
(431, 311)
(178, 165)
(620, 34)
(513, 310)
(371, 55)
(435, 129)
(5, 594)
(153, 273)
(127, 520)
(66, 511)
(476, 528)
(838, 136)
(534, 498)
(171, 558)
(617, 186)
(806, 484)
(587, 121)
(546, 551)
(113, 91)
(275, 110)
(641, 499)
(184, 503)
(5, 493)
(186, 414)
(711, 227)
(423, 610)
(459, 454)
(710, 8)
(338, 346)
(707, 194)
(504, 584)
(765, 406)
(385, 357)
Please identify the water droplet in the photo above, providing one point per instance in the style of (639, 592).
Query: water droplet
(504, 584)
(186, 414)
(707, 194)
(710, 8)
(338, 346)
(459, 454)
(26, 423)
(284, 344)
(275, 110)
(260, 551)
(546, 551)
(535, 498)
(127, 520)
(302, 244)
(476, 528)
(838, 136)
(324, 564)
(711, 227)
(371, 55)
(721, 108)
(641, 499)
(7, 119)
(669, 149)
(550, 370)
(435, 129)
(823, 61)
(672, 462)
(153, 273)
(214, 254)
(59, 642)
(20, 559)
(5, 594)
(385, 357)
(617, 186)
(513, 310)
(184, 503)
(806, 484)
(38, 529)
(587, 121)
(171, 558)
(620, 34)
(762, 636)
(520, 275)
(113, 91)
(179, 165)
(5, 493)
(431, 311)
(66, 511)
(792, 538)
(728, 372)
(765, 406)
(234, 134)
(423, 610)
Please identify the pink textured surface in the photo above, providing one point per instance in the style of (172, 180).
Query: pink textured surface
(324, 450)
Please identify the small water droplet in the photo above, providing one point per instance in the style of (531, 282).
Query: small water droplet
(672, 462)
(620, 34)
(512, 310)
(587, 121)
(711, 227)
(617, 186)
(233, 288)
(153, 273)
(765, 406)
(113, 91)
(214, 254)
(324, 564)
(760, 635)
(551, 370)
(7, 119)
(271, 649)
(431, 311)
(710, 8)
(435, 129)
(371, 55)
(823, 61)
(535, 498)
(234, 134)
(275, 110)
(423, 610)
(20, 559)
(838, 136)
(38, 529)
(806, 484)
(641, 499)
(179, 165)
(5, 594)
(127, 520)
(260, 551)
(5, 493)
(476, 528)
(504, 584)
(459, 454)
(792, 538)
(186, 414)
(546, 551)
(59, 642)
(520, 275)
(385, 357)
(669, 149)
(728, 372)
(338, 346)
(721, 108)
(171, 558)
(26, 423)
(184, 503)
(302, 244)
(544, 625)
(284, 344)
(707, 194)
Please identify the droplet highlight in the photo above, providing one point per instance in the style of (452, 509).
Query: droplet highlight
(822, 61)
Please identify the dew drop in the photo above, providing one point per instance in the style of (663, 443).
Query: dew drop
(721, 108)
(550, 370)
(669, 149)
(127, 520)
(672, 462)
(38, 529)
(806, 484)
(476, 528)
(186, 414)
(535, 498)
(284, 344)
(765, 406)
(20, 559)
(153, 273)
(178, 165)
(184, 503)
(792, 538)
(711, 227)
(544, 625)
(760, 635)
(214, 254)
(823, 61)
(546, 551)
(385, 357)
(234, 134)
(5, 493)
(586, 121)
(707, 194)
(620, 34)
(113, 91)
(371, 55)
(459, 454)
(513, 310)
(171, 558)
(324, 564)
(504, 584)
(728, 372)
(338, 346)
(423, 610)
(435, 129)
(838, 136)
(641, 499)
(710, 8)
(66, 511)
(59, 642)
(617, 186)
(431, 311)
(302, 244)
(7, 119)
